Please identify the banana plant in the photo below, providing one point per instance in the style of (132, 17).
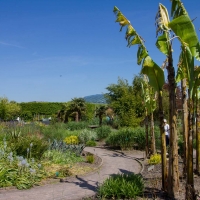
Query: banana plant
(184, 29)
(154, 73)
(164, 44)
(196, 96)
(149, 98)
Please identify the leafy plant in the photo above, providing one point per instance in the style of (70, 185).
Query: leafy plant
(62, 158)
(91, 143)
(121, 186)
(71, 140)
(124, 138)
(90, 158)
(103, 132)
(86, 135)
(63, 147)
(155, 159)
(29, 146)
(17, 170)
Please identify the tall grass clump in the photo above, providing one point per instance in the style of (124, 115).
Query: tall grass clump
(121, 186)
(124, 138)
(103, 132)
(77, 125)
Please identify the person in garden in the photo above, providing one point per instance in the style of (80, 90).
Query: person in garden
(166, 127)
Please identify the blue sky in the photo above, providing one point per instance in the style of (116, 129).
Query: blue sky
(54, 50)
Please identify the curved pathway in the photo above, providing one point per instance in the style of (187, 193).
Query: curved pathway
(82, 186)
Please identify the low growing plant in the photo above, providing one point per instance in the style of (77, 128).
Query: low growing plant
(86, 135)
(91, 143)
(71, 140)
(17, 170)
(90, 158)
(121, 186)
(155, 159)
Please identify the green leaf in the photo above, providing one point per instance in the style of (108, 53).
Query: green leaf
(183, 27)
(154, 73)
(162, 44)
(188, 62)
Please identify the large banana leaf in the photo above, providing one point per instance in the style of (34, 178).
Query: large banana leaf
(188, 62)
(131, 35)
(183, 27)
(154, 73)
(149, 67)
(182, 71)
(162, 43)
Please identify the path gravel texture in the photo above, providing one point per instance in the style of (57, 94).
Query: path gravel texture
(113, 162)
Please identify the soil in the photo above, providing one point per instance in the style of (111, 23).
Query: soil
(153, 183)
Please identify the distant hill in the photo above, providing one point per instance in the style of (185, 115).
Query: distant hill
(97, 98)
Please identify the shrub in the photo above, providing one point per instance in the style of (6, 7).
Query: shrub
(90, 158)
(91, 143)
(155, 159)
(29, 146)
(124, 138)
(121, 186)
(103, 132)
(77, 125)
(86, 135)
(140, 137)
(71, 140)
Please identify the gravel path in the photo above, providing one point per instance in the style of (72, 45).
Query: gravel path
(113, 162)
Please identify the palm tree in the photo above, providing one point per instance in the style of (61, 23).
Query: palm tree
(78, 107)
(100, 112)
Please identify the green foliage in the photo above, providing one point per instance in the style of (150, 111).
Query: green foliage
(121, 186)
(29, 146)
(103, 132)
(18, 171)
(71, 140)
(9, 110)
(140, 137)
(124, 138)
(40, 108)
(86, 135)
(63, 147)
(56, 156)
(149, 67)
(58, 131)
(154, 159)
(90, 158)
(125, 103)
(77, 125)
(91, 143)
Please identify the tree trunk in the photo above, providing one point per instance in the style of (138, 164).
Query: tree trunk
(185, 126)
(147, 135)
(173, 171)
(190, 195)
(163, 144)
(100, 120)
(153, 145)
(197, 136)
(76, 117)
